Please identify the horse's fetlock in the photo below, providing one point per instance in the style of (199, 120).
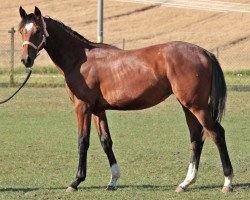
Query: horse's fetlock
(228, 171)
(81, 177)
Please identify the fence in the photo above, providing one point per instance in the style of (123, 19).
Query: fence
(233, 56)
(12, 72)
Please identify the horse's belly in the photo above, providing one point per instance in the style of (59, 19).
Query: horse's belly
(138, 96)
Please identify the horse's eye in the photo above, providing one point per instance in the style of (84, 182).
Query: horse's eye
(38, 31)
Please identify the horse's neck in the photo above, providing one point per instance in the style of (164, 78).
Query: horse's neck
(65, 50)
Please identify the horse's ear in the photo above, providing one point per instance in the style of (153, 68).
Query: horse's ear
(22, 12)
(37, 13)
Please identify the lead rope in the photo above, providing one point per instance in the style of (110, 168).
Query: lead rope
(21, 86)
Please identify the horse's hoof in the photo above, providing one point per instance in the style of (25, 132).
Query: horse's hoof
(227, 189)
(71, 189)
(180, 189)
(111, 188)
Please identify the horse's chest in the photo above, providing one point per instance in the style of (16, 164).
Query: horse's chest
(79, 88)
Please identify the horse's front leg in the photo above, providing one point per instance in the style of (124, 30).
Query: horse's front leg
(106, 141)
(84, 122)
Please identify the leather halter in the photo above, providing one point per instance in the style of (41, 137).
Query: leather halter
(34, 46)
(45, 35)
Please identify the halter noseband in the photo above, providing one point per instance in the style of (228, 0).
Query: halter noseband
(45, 35)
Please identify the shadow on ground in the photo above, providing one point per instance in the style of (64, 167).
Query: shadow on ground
(136, 187)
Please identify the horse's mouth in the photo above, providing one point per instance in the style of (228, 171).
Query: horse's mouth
(28, 62)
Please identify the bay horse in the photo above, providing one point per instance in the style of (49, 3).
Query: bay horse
(100, 77)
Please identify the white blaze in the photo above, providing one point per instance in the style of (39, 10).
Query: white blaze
(29, 26)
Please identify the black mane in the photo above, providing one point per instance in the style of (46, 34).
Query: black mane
(71, 31)
(77, 35)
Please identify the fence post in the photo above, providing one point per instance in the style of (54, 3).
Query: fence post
(100, 22)
(12, 49)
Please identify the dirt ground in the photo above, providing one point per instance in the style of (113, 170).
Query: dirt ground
(225, 33)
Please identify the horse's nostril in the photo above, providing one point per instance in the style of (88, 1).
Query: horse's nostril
(28, 59)
(23, 60)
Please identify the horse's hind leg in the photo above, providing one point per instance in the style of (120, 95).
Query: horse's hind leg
(217, 133)
(196, 137)
(219, 138)
(106, 141)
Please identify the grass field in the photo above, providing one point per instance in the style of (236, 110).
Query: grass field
(39, 150)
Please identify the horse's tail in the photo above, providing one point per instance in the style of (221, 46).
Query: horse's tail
(218, 93)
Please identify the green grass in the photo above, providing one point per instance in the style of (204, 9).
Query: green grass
(239, 77)
(41, 76)
(36, 70)
(39, 150)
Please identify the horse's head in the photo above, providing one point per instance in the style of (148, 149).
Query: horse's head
(34, 33)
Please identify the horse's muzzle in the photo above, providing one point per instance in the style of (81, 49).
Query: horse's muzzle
(27, 61)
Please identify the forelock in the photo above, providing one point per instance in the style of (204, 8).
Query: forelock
(28, 19)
